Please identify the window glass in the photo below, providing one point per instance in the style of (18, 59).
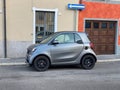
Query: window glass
(104, 25)
(60, 38)
(96, 25)
(112, 25)
(87, 24)
(45, 23)
(65, 38)
(47, 39)
(69, 38)
(78, 39)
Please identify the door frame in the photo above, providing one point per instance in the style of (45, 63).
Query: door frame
(116, 32)
(34, 19)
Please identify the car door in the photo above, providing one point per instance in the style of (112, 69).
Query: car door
(67, 49)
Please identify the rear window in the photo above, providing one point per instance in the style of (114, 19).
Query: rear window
(84, 37)
(78, 39)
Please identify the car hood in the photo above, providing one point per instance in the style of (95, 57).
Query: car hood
(32, 46)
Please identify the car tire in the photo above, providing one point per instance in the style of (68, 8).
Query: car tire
(41, 63)
(88, 62)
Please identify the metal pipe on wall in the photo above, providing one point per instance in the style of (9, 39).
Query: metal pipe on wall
(4, 32)
(80, 2)
(76, 17)
(76, 20)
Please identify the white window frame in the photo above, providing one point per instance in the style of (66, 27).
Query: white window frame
(34, 19)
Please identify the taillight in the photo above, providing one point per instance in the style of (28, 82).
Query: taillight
(91, 45)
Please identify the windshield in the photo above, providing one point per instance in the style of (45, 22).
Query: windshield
(46, 40)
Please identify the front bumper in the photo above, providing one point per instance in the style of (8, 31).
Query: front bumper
(27, 58)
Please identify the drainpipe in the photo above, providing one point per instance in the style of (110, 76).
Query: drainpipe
(4, 32)
(80, 1)
(76, 18)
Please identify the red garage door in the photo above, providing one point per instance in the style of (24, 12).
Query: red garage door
(102, 34)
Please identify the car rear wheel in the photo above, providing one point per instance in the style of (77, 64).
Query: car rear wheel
(88, 62)
(41, 63)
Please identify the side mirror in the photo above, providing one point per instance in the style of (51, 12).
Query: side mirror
(55, 42)
(79, 42)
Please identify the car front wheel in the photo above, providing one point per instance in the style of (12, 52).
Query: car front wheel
(41, 63)
(88, 62)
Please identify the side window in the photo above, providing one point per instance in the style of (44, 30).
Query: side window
(65, 38)
(60, 38)
(69, 38)
(78, 39)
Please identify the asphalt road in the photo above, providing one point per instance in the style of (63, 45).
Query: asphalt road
(104, 76)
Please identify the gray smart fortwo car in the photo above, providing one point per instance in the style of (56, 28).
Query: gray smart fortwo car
(62, 48)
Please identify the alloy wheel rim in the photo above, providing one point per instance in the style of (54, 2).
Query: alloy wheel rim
(88, 62)
(41, 63)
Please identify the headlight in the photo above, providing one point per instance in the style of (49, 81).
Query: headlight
(33, 50)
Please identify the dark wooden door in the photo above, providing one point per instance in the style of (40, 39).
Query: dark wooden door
(102, 34)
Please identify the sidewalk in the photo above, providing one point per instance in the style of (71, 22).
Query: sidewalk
(21, 61)
(12, 61)
(108, 58)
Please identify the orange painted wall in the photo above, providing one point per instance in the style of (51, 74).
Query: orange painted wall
(101, 11)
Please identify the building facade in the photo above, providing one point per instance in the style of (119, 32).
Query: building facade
(101, 20)
(28, 21)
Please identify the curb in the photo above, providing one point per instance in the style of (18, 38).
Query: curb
(110, 60)
(12, 64)
(23, 63)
